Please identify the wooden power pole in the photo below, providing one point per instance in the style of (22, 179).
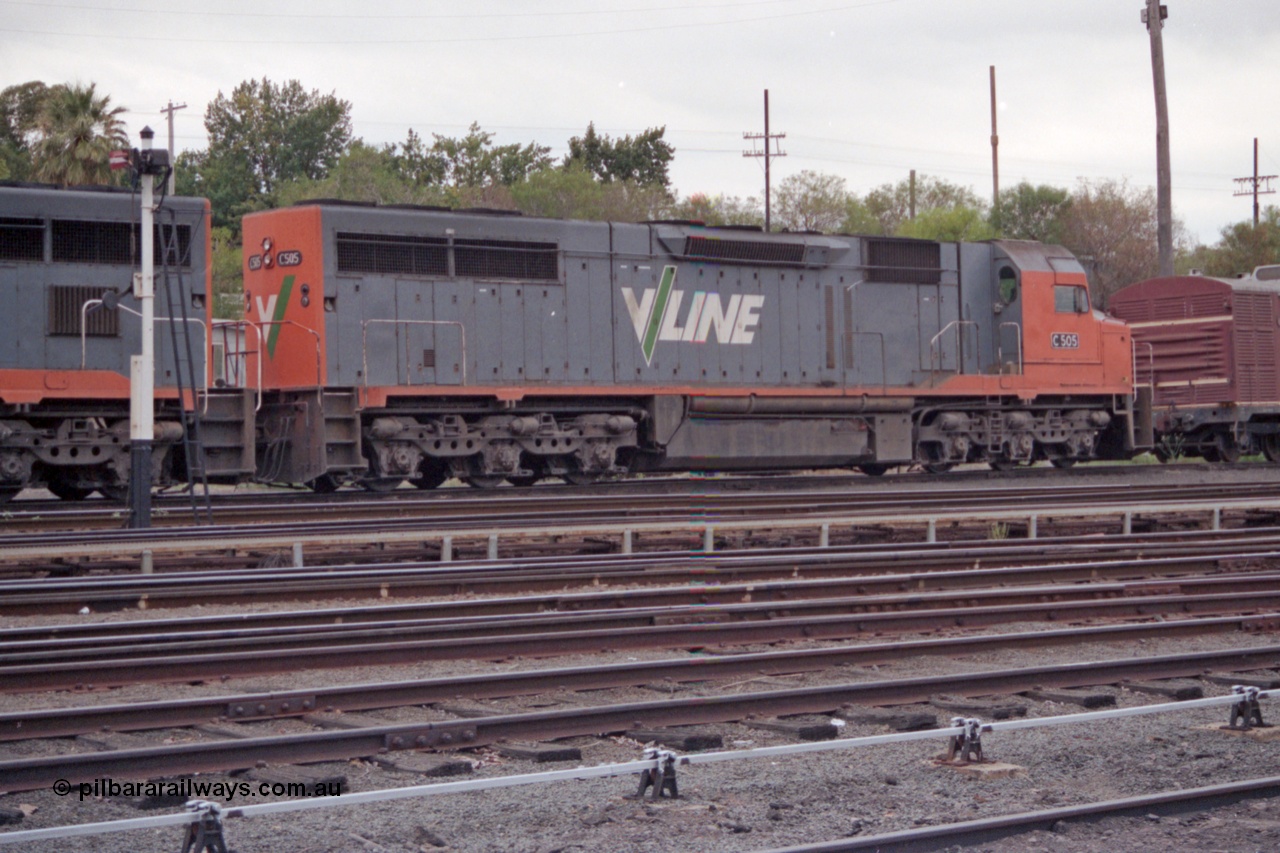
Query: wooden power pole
(767, 137)
(995, 147)
(1153, 16)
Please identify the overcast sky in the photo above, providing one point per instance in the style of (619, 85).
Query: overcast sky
(863, 89)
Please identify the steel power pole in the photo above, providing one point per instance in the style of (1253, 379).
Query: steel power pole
(143, 366)
(766, 136)
(1254, 186)
(171, 109)
(1153, 16)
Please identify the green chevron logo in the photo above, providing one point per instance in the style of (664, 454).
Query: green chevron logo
(273, 310)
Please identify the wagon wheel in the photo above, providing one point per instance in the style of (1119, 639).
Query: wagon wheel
(874, 469)
(937, 467)
(1007, 464)
(1225, 449)
(7, 493)
(1271, 447)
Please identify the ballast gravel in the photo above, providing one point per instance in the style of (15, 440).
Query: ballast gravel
(756, 805)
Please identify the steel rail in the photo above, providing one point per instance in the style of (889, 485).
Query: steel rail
(557, 634)
(934, 590)
(992, 829)
(333, 745)
(780, 514)
(114, 592)
(67, 722)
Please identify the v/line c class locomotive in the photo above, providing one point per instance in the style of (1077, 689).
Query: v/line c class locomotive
(382, 344)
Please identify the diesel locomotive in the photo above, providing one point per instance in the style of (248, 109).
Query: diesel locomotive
(381, 344)
(69, 324)
(418, 344)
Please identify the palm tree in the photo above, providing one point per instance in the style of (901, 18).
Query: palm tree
(79, 130)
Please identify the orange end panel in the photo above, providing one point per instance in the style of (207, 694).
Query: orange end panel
(284, 295)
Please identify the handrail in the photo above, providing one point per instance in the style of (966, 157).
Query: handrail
(1017, 327)
(884, 367)
(243, 354)
(84, 339)
(364, 345)
(935, 353)
(307, 329)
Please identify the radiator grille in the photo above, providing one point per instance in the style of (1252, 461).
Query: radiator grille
(89, 242)
(506, 259)
(745, 251)
(80, 242)
(65, 305)
(904, 261)
(392, 255)
(21, 239)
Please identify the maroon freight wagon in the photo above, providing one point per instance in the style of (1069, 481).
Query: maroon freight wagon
(1209, 349)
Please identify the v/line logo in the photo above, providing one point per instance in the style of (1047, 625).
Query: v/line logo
(272, 312)
(656, 316)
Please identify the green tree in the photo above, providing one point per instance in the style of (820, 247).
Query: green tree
(642, 159)
(810, 201)
(1111, 228)
(1242, 247)
(719, 210)
(574, 193)
(1029, 212)
(20, 108)
(78, 131)
(228, 274)
(474, 161)
(949, 223)
(364, 173)
(891, 203)
(264, 135)
(858, 218)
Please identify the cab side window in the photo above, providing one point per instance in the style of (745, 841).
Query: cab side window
(1008, 284)
(1070, 299)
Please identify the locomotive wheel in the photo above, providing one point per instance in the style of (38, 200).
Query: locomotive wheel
(325, 484)
(117, 492)
(524, 482)
(430, 476)
(1006, 464)
(1062, 462)
(67, 491)
(874, 469)
(380, 485)
(376, 481)
(1271, 447)
(937, 467)
(485, 481)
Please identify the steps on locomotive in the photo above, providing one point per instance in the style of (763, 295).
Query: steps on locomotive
(226, 434)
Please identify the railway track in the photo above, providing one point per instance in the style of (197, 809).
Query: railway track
(472, 732)
(1173, 588)
(1094, 558)
(679, 525)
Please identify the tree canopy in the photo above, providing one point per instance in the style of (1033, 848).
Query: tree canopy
(263, 135)
(643, 159)
(78, 129)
